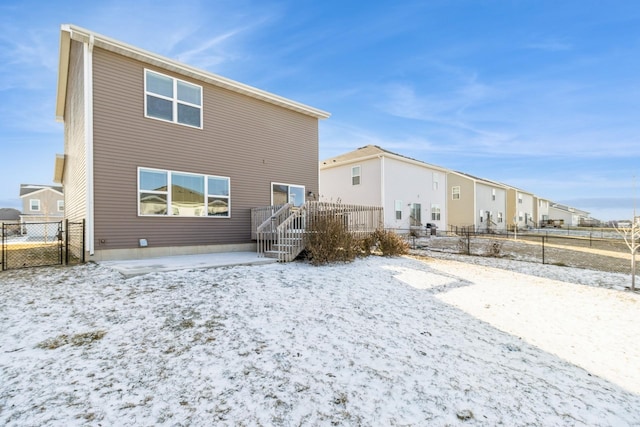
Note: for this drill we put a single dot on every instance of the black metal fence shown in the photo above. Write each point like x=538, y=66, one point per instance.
x=35, y=244
x=583, y=250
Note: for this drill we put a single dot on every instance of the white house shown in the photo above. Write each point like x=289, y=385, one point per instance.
x=412, y=193
x=571, y=216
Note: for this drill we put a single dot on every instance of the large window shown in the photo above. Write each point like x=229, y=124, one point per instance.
x=435, y=212
x=169, y=193
x=416, y=214
x=355, y=175
x=455, y=193
x=173, y=100
x=287, y=193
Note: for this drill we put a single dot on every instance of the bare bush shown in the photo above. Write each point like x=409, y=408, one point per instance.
x=494, y=248
x=390, y=243
x=328, y=240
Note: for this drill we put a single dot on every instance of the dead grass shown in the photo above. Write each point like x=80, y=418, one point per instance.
x=77, y=340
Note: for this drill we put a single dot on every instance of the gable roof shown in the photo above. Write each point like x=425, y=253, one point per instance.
x=372, y=151
x=27, y=189
x=71, y=32
x=481, y=180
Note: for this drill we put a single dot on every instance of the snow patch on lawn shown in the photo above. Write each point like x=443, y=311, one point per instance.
x=381, y=341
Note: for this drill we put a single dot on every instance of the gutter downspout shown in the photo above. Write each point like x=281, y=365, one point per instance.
x=382, y=182
x=88, y=127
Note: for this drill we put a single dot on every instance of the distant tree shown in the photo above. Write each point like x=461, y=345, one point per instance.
x=631, y=235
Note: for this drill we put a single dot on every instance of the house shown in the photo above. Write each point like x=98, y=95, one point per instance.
x=570, y=216
x=163, y=158
x=41, y=203
x=477, y=203
x=412, y=193
x=542, y=210
x=520, y=208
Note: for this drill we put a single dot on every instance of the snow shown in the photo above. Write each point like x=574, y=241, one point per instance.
x=381, y=341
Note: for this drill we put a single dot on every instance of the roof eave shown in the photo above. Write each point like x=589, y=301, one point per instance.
x=83, y=35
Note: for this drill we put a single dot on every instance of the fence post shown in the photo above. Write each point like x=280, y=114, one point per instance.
x=2, y=248
x=543, y=249
x=83, y=239
x=66, y=241
x=468, y=242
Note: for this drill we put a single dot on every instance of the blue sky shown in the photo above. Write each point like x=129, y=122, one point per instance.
x=542, y=95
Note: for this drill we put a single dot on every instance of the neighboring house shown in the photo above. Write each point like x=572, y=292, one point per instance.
x=572, y=217
x=542, y=210
x=163, y=158
x=520, y=208
x=41, y=203
x=9, y=219
x=477, y=203
x=412, y=193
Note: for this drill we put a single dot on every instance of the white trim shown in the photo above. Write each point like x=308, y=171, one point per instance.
x=31, y=193
x=174, y=100
x=31, y=205
x=88, y=132
x=359, y=175
x=72, y=32
x=304, y=194
x=206, y=194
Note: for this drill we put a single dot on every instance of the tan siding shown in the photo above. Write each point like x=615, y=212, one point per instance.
x=250, y=141
x=75, y=172
x=461, y=212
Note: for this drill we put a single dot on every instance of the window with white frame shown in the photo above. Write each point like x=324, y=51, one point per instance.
x=493, y=194
x=520, y=216
x=172, y=100
x=435, y=212
x=355, y=175
x=398, y=207
x=287, y=193
x=34, y=205
x=436, y=179
x=60, y=205
x=519, y=198
x=416, y=214
x=455, y=192
x=481, y=215
x=171, y=193
x=499, y=217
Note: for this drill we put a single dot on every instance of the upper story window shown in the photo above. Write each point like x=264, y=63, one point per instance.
x=519, y=198
x=173, y=100
x=169, y=193
x=493, y=194
x=355, y=175
x=455, y=192
x=435, y=181
x=60, y=205
x=34, y=205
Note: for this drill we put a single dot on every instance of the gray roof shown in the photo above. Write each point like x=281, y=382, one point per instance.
x=9, y=214
x=31, y=188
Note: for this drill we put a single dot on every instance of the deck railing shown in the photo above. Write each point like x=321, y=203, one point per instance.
x=282, y=232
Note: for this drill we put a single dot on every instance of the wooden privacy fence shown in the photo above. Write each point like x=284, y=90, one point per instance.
x=281, y=235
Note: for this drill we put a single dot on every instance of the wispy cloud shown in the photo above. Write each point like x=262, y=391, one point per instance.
x=550, y=45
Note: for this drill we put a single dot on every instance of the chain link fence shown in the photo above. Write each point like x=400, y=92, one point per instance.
x=36, y=244
x=583, y=251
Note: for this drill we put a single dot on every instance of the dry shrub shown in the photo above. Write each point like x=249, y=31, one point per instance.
x=494, y=248
x=327, y=240
x=389, y=243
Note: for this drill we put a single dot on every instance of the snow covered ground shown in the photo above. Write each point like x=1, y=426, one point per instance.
x=381, y=341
